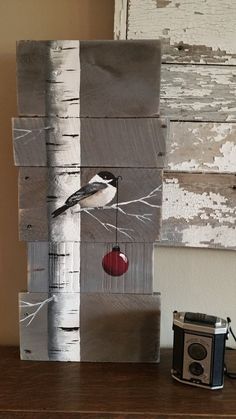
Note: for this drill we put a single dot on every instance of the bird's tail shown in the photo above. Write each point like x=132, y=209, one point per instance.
x=60, y=210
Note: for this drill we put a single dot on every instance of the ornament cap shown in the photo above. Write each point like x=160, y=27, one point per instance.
x=116, y=248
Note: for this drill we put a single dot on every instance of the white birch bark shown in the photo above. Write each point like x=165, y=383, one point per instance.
x=63, y=313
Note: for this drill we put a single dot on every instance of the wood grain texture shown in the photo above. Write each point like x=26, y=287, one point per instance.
x=90, y=327
x=202, y=31
x=68, y=391
x=203, y=147
x=74, y=267
x=130, y=142
x=199, y=210
x=68, y=78
x=126, y=74
x=53, y=267
x=50, y=326
x=42, y=190
x=48, y=78
x=196, y=92
x=120, y=327
x=120, y=19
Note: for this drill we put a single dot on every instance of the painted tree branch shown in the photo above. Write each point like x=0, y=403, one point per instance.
x=30, y=317
x=141, y=217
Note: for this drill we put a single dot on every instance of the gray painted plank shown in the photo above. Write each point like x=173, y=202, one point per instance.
x=50, y=326
x=116, y=78
x=199, y=210
x=73, y=266
x=120, y=327
x=130, y=142
x=48, y=78
x=196, y=92
x=53, y=267
x=200, y=31
x=203, y=147
x=90, y=327
x=42, y=190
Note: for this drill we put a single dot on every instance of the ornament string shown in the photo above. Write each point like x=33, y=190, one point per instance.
x=117, y=207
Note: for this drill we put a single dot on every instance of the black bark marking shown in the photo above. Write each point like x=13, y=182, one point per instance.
x=69, y=329
x=70, y=100
x=70, y=135
x=58, y=254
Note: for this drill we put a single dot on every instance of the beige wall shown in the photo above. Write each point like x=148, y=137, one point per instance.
x=30, y=19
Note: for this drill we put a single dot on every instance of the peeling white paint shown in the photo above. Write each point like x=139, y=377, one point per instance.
x=226, y=162
x=209, y=25
x=203, y=236
x=199, y=146
x=180, y=203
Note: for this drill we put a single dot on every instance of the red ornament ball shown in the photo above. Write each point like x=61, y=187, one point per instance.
x=115, y=263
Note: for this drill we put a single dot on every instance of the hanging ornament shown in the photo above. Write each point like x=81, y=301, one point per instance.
x=116, y=263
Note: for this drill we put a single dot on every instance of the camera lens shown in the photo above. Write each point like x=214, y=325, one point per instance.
x=196, y=369
x=197, y=351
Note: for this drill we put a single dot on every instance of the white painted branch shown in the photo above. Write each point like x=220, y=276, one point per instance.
x=30, y=317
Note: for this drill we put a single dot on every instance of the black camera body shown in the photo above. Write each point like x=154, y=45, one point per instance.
x=199, y=347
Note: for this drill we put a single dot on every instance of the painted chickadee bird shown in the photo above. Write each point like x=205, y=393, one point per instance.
x=100, y=190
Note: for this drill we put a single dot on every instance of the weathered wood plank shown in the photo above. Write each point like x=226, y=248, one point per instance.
x=88, y=78
x=90, y=327
x=200, y=31
x=74, y=267
x=203, y=147
x=48, y=78
x=43, y=190
x=199, y=210
x=131, y=142
x=203, y=93
x=50, y=326
x=53, y=267
x=120, y=19
x=120, y=327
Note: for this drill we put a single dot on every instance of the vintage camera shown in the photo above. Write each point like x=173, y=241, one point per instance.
x=199, y=347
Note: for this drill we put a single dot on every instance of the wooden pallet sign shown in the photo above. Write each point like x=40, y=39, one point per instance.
x=198, y=86
x=91, y=147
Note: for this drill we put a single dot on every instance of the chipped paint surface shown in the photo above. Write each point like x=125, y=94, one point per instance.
x=200, y=31
x=205, y=147
x=199, y=210
x=205, y=93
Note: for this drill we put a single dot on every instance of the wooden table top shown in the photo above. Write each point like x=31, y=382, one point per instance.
x=40, y=390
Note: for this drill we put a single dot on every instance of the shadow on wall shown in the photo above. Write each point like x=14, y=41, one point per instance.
x=90, y=19
x=12, y=252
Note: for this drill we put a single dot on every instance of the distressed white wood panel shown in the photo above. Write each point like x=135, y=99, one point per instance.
x=120, y=19
x=50, y=326
x=200, y=31
x=196, y=92
x=48, y=77
x=113, y=142
x=53, y=267
x=199, y=210
x=41, y=191
x=203, y=147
